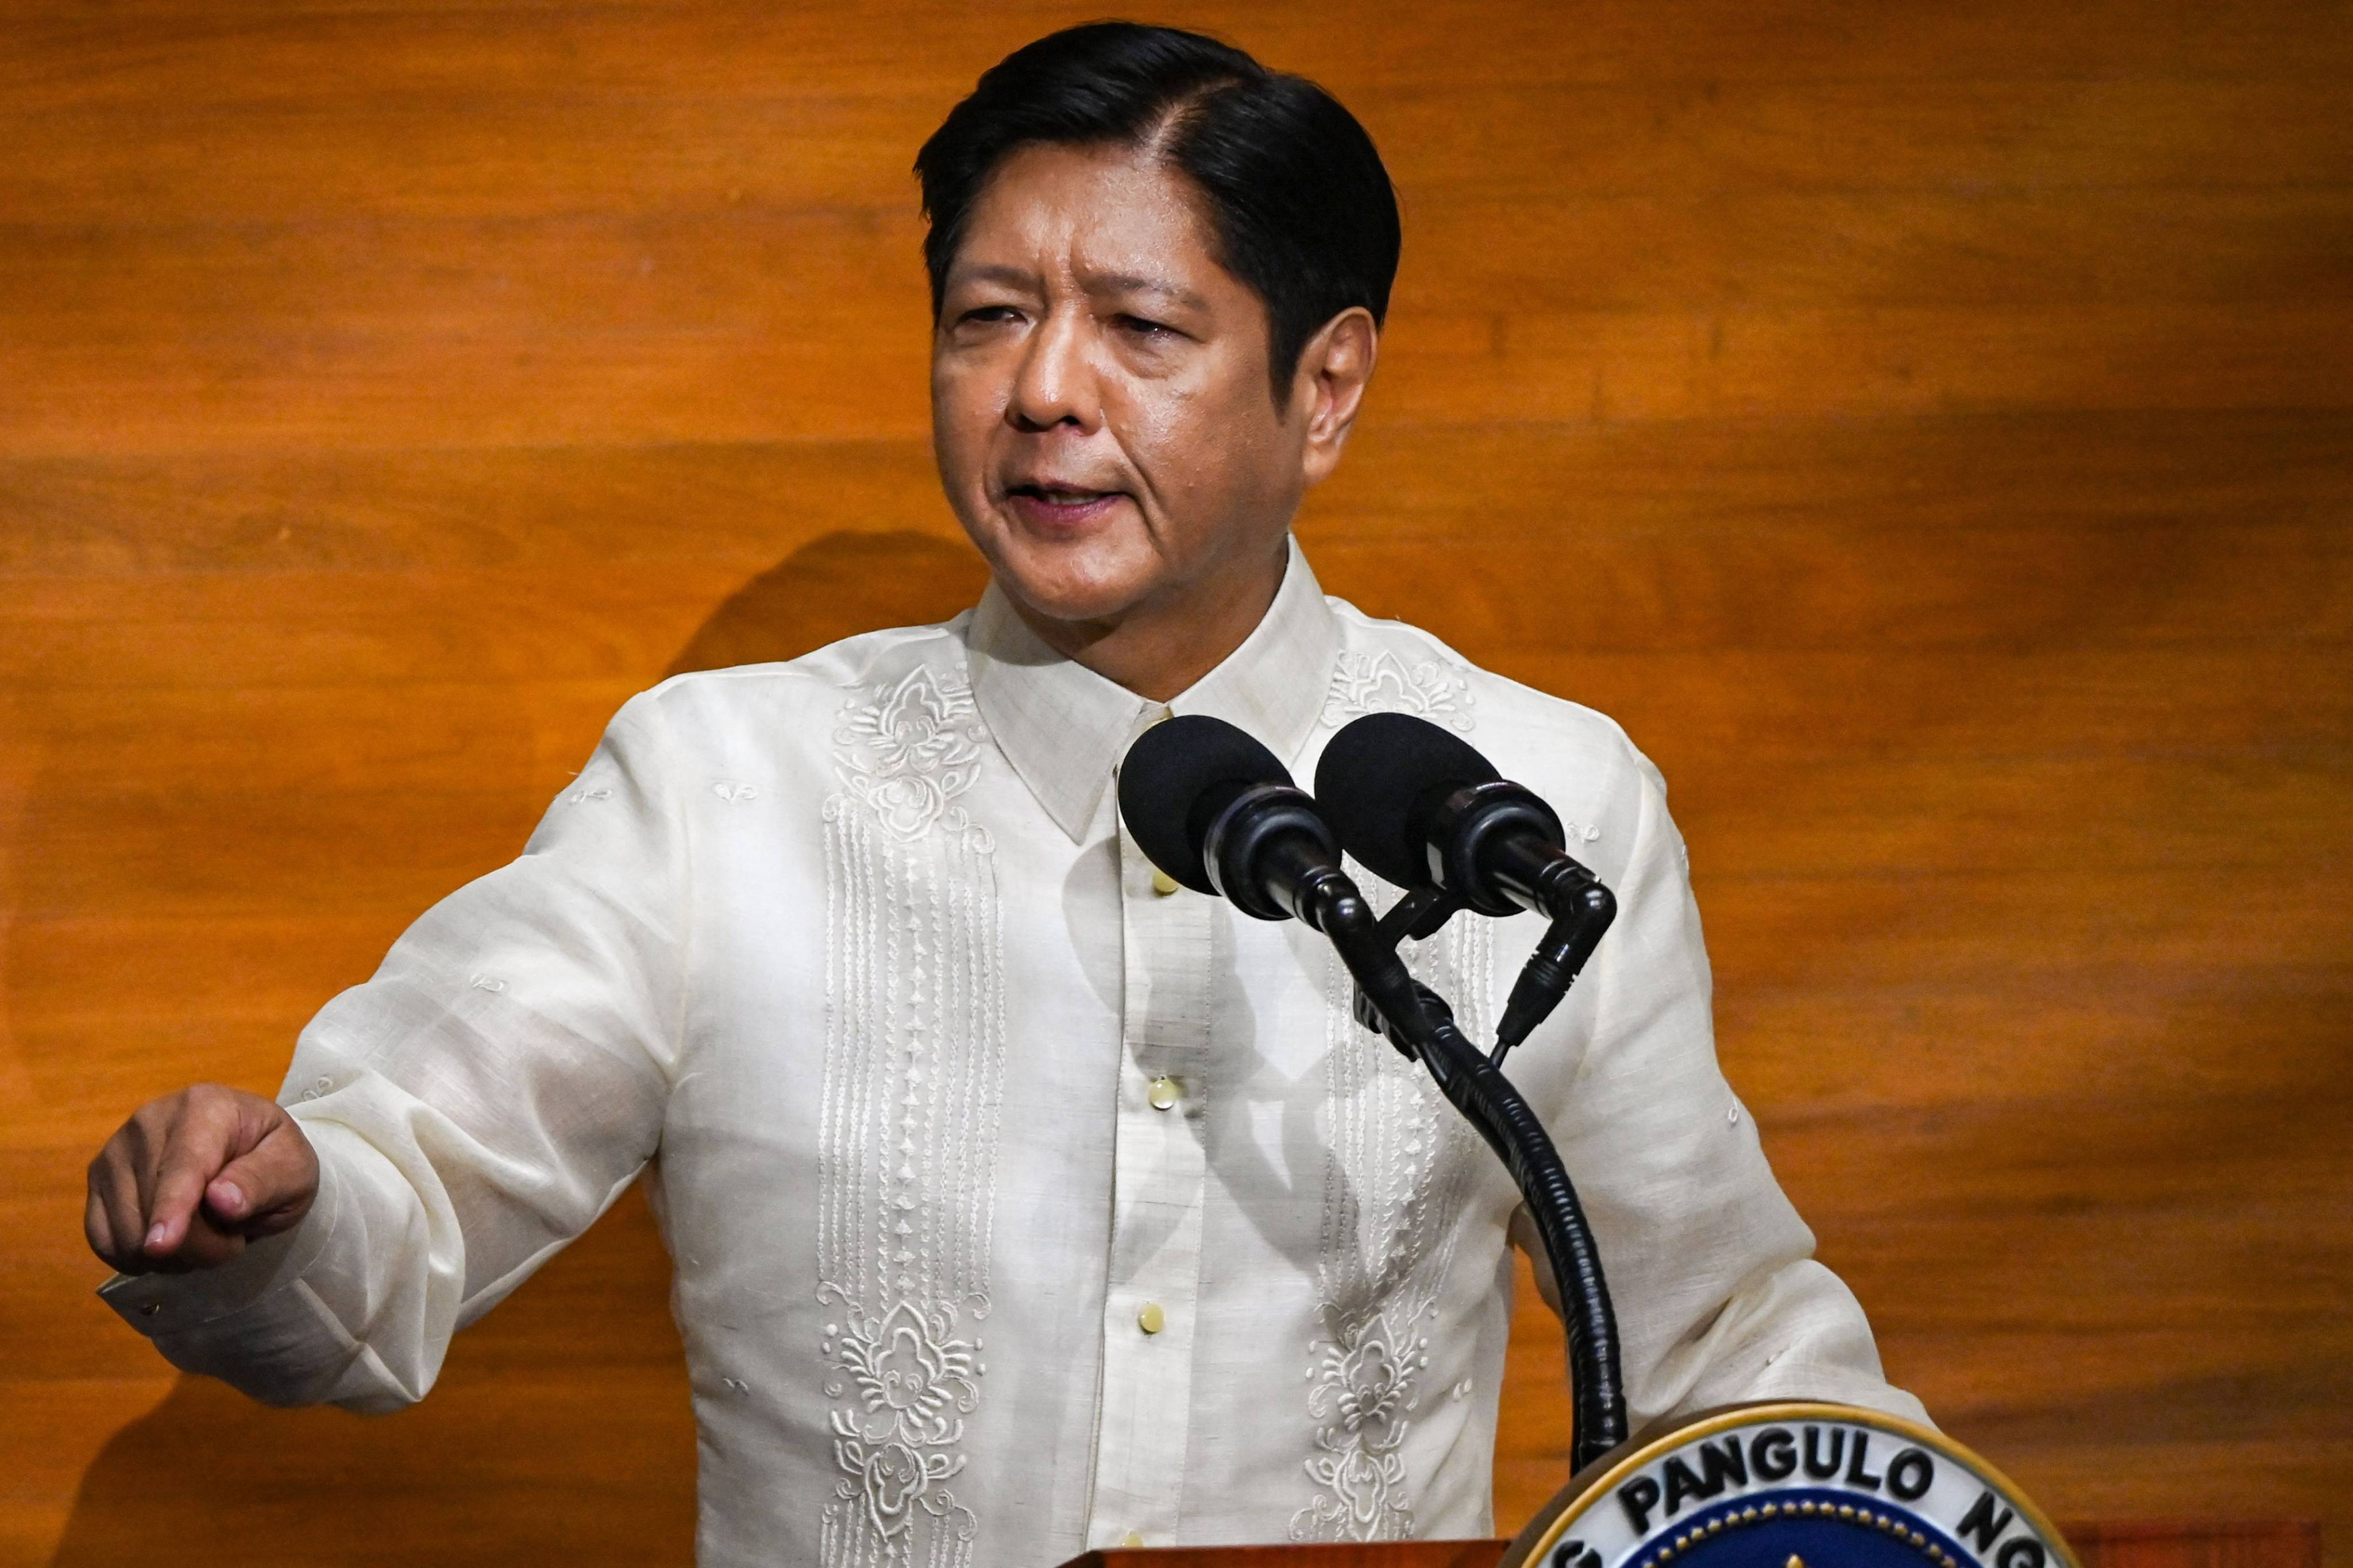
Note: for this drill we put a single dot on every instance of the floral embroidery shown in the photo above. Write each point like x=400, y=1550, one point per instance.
x=913, y=1072
x=906, y=750
x=1396, y=1178
x=1363, y=1393
x=915, y=1383
x=1381, y=682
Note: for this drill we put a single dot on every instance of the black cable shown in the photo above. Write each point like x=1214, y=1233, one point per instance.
x=1419, y=1022
x=1492, y=1103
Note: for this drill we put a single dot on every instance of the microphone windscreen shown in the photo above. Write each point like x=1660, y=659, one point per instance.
x=1168, y=773
x=1374, y=773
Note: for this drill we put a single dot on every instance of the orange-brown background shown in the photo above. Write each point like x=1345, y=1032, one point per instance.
x=1929, y=428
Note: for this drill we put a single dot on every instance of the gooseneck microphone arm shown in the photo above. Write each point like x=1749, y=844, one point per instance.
x=1418, y=1021
x=1215, y=811
x=1490, y=1102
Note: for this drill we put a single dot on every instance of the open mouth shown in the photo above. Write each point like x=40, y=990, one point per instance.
x=1060, y=505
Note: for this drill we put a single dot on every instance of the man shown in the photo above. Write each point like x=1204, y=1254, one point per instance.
x=1019, y=1201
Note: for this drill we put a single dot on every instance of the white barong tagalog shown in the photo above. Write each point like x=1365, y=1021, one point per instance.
x=1017, y=1205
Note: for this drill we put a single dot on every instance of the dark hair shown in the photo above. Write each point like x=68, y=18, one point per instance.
x=1302, y=206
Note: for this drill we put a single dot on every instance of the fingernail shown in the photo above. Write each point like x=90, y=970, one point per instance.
x=226, y=1198
x=155, y=1237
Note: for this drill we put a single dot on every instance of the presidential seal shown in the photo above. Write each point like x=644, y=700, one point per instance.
x=1791, y=1486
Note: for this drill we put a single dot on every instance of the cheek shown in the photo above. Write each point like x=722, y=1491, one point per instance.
x=1183, y=440
x=1204, y=448
x=962, y=417
x=1153, y=431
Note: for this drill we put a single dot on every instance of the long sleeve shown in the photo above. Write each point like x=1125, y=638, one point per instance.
x=1719, y=1298
x=475, y=1105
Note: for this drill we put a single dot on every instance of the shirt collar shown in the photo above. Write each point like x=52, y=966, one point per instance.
x=1064, y=728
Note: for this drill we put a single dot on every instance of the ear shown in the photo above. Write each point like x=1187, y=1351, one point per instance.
x=1335, y=368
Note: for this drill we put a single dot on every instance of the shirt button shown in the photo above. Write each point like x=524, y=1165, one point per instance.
x=1164, y=1093
x=1133, y=1538
x=1152, y=1319
x=1162, y=882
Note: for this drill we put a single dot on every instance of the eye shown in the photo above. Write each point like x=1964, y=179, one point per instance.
x=1145, y=327
x=987, y=314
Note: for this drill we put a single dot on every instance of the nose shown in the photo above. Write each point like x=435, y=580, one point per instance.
x=1055, y=384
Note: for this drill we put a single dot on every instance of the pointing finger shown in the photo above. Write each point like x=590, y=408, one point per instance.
x=200, y=1140
x=118, y=1194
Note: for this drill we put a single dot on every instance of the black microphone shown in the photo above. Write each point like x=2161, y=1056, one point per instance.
x=1215, y=810
x=1421, y=807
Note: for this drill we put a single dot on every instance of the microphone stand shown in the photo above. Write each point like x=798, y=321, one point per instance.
x=1420, y=1024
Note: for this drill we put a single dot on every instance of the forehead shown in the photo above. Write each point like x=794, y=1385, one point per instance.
x=1092, y=211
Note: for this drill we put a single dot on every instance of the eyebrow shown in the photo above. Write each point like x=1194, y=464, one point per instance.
x=1097, y=283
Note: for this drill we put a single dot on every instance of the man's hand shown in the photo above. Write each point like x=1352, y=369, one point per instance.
x=193, y=1176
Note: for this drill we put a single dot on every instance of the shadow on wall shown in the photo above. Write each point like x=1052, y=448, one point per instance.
x=835, y=587
x=560, y=1429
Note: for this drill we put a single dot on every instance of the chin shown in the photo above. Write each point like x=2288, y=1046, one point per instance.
x=1064, y=597
x=1071, y=583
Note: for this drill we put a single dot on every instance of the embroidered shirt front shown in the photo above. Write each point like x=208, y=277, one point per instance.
x=1017, y=1206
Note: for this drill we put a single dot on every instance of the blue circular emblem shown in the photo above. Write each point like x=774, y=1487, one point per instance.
x=1792, y=1486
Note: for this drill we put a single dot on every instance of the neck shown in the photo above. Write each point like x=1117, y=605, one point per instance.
x=1159, y=648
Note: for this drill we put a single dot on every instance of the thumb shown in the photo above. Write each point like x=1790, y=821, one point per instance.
x=270, y=1187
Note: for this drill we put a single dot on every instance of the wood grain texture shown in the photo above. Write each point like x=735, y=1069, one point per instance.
x=1928, y=429
x=1371, y=1554
x=2174, y=1543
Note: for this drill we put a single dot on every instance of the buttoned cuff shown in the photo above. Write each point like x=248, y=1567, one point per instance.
x=244, y=1295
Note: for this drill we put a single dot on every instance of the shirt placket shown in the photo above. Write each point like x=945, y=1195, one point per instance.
x=1159, y=1173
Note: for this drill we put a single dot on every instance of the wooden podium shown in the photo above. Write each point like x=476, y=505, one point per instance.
x=2132, y=1543
x=1378, y=1555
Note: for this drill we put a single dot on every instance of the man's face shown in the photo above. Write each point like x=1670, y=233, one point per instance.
x=1100, y=403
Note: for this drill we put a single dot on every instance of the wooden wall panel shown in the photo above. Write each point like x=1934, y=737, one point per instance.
x=1929, y=429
